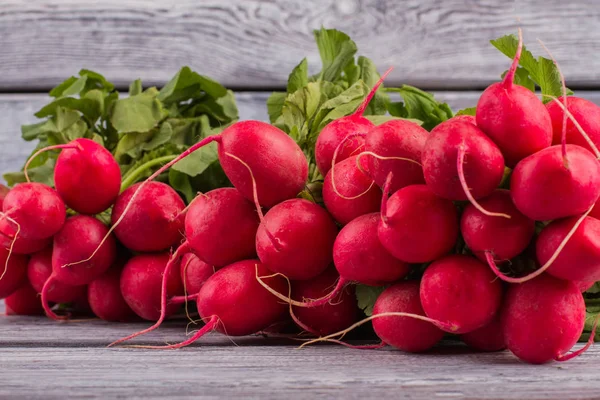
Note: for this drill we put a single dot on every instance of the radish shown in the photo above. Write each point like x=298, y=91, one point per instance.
x=34, y=210
x=544, y=188
x=15, y=272
x=20, y=244
x=404, y=333
x=579, y=260
x=587, y=115
x=221, y=226
x=3, y=192
x=194, y=272
x=396, y=139
x=505, y=238
x=296, y=239
x=489, y=337
x=86, y=175
x=542, y=319
x=141, y=285
x=23, y=301
x=416, y=225
x=461, y=291
x=460, y=162
x=336, y=315
x=105, y=298
x=584, y=286
x=360, y=195
x=39, y=270
x=513, y=117
x=465, y=118
x=233, y=302
x=157, y=212
x=332, y=135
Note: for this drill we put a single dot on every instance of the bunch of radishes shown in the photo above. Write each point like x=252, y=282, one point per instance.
x=435, y=217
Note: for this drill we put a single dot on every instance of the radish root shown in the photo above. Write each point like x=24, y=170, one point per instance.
x=590, y=342
x=40, y=151
x=12, y=244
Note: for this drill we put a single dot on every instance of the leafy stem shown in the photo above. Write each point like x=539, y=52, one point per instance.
x=131, y=177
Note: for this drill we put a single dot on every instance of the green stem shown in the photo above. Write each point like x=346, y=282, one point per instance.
x=131, y=177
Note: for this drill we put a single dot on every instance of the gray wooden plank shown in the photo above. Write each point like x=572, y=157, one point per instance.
x=18, y=109
x=256, y=43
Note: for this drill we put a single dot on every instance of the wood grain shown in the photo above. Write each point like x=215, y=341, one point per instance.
x=256, y=43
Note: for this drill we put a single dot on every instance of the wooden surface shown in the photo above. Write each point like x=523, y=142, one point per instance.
x=255, y=44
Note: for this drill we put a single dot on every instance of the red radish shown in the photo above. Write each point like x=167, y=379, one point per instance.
x=18, y=243
x=396, y=138
x=465, y=118
x=587, y=115
x=461, y=291
x=141, y=285
x=543, y=188
x=416, y=225
x=24, y=301
x=15, y=272
x=505, y=238
x=583, y=286
x=334, y=316
x=489, y=337
x=456, y=148
x=234, y=303
x=360, y=257
x=542, y=319
x=194, y=272
x=286, y=233
x=39, y=270
x=3, y=192
x=595, y=213
x=579, y=260
x=513, y=117
x=404, y=333
x=35, y=210
x=332, y=135
x=361, y=195
x=105, y=298
x=157, y=212
x=221, y=227
x=86, y=175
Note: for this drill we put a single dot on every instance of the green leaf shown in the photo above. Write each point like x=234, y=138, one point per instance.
x=275, y=105
x=34, y=131
x=86, y=106
x=366, y=297
x=522, y=78
x=198, y=161
x=370, y=76
x=59, y=90
x=343, y=104
x=542, y=71
x=420, y=105
x=467, y=111
x=131, y=143
x=380, y=119
x=135, y=87
x=95, y=80
x=181, y=183
x=43, y=174
x=138, y=113
x=336, y=50
x=299, y=77
x=186, y=83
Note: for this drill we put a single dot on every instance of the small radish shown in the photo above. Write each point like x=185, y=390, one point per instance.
x=579, y=260
x=141, y=285
x=20, y=244
x=544, y=188
x=489, y=337
x=35, y=210
x=105, y=298
x=396, y=138
x=221, y=226
x=24, y=301
x=404, y=333
x=416, y=225
x=3, y=192
x=86, y=175
x=461, y=291
x=39, y=270
x=336, y=131
x=338, y=314
x=286, y=233
x=360, y=194
x=15, y=272
x=465, y=118
x=458, y=151
x=505, y=238
x=194, y=272
x=234, y=303
x=542, y=319
x=513, y=117
x=587, y=115
x=157, y=212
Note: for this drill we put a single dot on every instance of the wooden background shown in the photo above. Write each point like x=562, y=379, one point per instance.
x=251, y=46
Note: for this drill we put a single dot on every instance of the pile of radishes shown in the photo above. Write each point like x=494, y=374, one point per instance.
x=482, y=228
